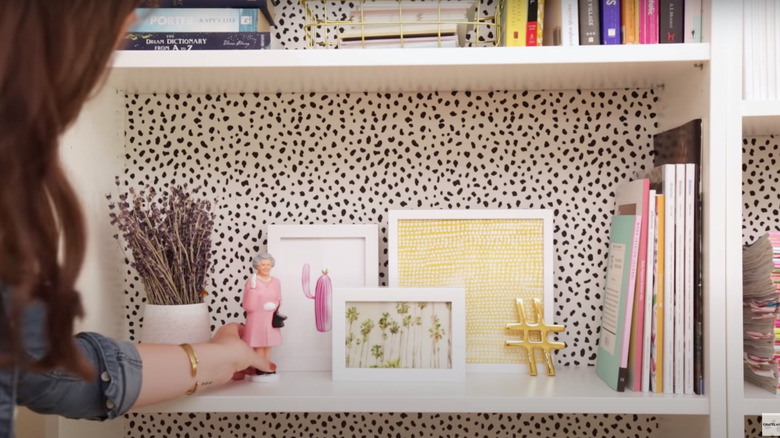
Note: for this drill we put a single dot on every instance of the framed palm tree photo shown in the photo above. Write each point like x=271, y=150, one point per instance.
x=399, y=334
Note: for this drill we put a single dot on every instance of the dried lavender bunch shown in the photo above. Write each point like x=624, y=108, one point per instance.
x=169, y=237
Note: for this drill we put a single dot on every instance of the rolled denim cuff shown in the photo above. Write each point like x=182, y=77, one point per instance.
x=111, y=394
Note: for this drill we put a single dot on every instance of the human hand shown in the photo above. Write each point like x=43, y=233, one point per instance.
x=243, y=357
x=269, y=306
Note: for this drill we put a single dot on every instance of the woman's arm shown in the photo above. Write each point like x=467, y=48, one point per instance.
x=166, y=368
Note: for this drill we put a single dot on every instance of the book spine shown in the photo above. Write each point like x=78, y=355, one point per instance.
x=590, y=29
x=649, y=293
x=658, y=306
x=570, y=32
x=670, y=21
x=628, y=16
x=515, y=16
x=195, y=20
x=668, y=316
x=648, y=11
x=631, y=291
x=198, y=41
x=690, y=187
x=679, y=280
x=540, y=22
x=532, y=23
x=692, y=28
x=610, y=22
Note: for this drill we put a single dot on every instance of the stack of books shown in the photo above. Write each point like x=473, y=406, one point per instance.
x=760, y=280
x=201, y=25
x=652, y=331
x=600, y=22
x=394, y=24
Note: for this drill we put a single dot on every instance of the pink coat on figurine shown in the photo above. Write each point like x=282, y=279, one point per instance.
x=261, y=299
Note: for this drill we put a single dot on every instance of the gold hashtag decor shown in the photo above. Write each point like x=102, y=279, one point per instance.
x=540, y=329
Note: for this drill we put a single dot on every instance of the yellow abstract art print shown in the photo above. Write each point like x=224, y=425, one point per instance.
x=497, y=255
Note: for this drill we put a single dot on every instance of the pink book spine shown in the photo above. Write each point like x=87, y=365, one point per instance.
x=648, y=21
x=629, y=310
x=641, y=283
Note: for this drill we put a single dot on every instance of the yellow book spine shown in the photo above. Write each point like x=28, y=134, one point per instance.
x=658, y=307
x=540, y=25
x=516, y=15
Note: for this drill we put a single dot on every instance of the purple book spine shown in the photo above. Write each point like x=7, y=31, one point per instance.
x=610, y=21
x=197, y=41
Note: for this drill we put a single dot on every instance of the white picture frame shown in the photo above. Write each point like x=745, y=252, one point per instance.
x=446, y=364
x=350, y=253
x=426, y=249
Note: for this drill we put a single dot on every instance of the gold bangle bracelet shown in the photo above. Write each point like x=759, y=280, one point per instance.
x=193, y=365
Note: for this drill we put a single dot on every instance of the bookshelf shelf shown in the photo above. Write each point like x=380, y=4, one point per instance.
x=377, y=70
x=758, y=401
x=572, y=390
x=760, y=117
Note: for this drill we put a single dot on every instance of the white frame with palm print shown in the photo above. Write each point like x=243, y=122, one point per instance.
x=417, y=358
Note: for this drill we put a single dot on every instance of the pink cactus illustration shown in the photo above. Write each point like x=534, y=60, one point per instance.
x=321, y=297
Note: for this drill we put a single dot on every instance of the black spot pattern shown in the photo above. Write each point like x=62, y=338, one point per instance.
x=309, y=158
x=760, y=186
x=753, y=426
x=390, y=425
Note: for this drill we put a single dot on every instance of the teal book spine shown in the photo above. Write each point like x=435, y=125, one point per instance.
x=618, y=300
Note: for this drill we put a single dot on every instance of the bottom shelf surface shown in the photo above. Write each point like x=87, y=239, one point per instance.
x=571, y=390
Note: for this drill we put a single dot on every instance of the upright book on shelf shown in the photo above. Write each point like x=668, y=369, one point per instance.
x=514, y=21
x=617, y=307
x=682, y=145
x=561, y=23
x=590, y=27
x=670, y=21
x=657, y=347
x=648, y=21
x=632, y=198
x=610, y=22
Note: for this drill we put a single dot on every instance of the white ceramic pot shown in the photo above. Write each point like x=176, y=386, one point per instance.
x=176, y=324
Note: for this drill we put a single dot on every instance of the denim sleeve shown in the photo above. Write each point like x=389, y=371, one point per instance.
x=112, y=393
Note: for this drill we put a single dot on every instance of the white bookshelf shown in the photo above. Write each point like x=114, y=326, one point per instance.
x=690, y=83
x=476, y=69
x=746, y=118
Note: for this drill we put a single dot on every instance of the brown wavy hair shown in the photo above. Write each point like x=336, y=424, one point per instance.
x=53, y=54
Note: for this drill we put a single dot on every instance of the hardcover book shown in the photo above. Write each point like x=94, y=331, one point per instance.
x=628, y=22
x=196, y=20
x=198, y=41
x=561, y=23
x=514, y=19
x=670, y=21
x=692, y=26
x=610, y=22
x=612, y=355
x=266, y=7
x=590, y=27
x=648, y=21
x=532, y=23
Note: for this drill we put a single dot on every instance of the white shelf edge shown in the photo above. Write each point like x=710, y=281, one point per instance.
x=576, y=390
x=446, y=69
x=758, y=401
x=760, y=117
